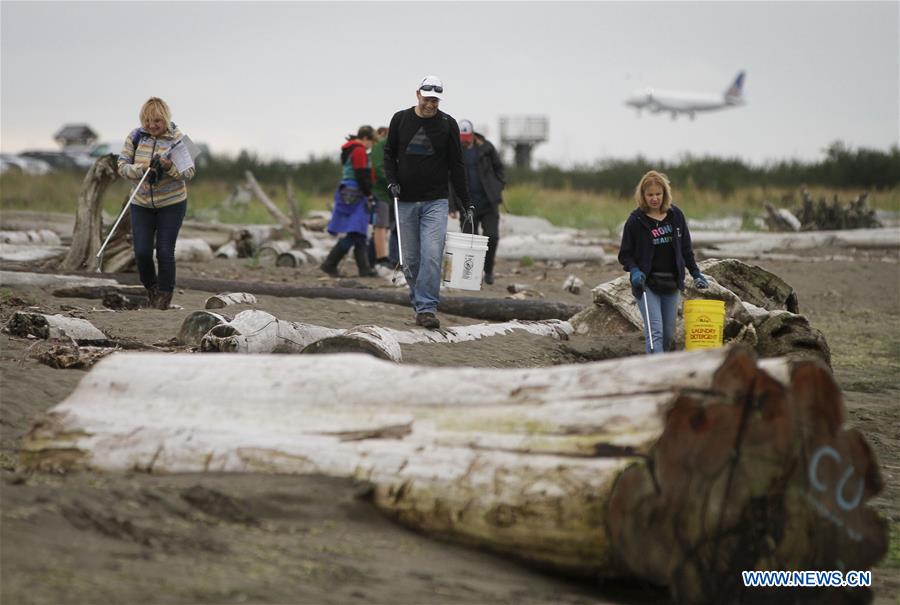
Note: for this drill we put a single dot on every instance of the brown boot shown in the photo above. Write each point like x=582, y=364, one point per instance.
x=152, y=297
x=164, y=301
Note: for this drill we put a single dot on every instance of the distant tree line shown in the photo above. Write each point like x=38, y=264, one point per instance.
x=841, y=168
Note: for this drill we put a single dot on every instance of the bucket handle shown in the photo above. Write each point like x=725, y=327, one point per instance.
x=470, y=219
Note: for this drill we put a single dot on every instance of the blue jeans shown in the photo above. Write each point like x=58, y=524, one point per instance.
x=423, y=229
x=156, y=228
x=663, y=311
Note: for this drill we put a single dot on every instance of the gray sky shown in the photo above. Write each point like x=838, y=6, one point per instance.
x=290, y=79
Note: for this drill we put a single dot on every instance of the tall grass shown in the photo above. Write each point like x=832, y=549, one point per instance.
x=207, y=199
x=605, y=211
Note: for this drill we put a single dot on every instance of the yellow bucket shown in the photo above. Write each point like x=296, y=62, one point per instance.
x=704, y=323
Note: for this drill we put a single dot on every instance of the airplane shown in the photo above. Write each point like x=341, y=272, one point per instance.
x=689, y=103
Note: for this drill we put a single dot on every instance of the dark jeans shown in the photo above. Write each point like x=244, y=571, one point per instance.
x=156, y=228
x=489, y=224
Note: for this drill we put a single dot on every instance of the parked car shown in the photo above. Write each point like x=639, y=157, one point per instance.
x=57, y=159
x=24, y=164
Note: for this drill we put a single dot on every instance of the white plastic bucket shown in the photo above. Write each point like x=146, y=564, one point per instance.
x=463, y=260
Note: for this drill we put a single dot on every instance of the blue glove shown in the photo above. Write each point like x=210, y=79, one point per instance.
x=699, y=281
x=638, y=278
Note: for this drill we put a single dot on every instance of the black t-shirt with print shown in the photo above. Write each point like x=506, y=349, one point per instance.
x=663, y=246
x=423, y=155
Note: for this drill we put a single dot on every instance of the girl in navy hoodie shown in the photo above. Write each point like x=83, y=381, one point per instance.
x=656, y=250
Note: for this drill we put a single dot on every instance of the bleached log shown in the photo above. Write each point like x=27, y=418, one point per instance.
x=50, y=280
x=761, y=311
x=192, y=250
x=268, y=253
x=721, y=244
x=780, y=219
x=197, y=324
x=293, y=258
x=31, y=236
x=227, y=250
x=371, y=340
x=559, y=248
x=573, y=284
x=29, y=253
x=44, y=326
x=279, y=216
x=87, y=232
x=220, y=301
x=255, y=331
x=682, y=470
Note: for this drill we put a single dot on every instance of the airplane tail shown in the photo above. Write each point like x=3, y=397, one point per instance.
x=735, y=92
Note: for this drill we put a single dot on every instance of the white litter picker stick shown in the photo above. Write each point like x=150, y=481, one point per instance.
x=399, y=241
x=649, y=331
x=127, y=206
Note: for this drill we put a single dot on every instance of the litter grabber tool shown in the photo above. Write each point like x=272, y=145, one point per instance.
x=647, y=312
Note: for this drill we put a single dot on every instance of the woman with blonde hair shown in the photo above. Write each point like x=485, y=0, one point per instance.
x=656, y=250
x=160, y=204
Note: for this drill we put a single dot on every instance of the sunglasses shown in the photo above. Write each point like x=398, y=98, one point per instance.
x=430, y=87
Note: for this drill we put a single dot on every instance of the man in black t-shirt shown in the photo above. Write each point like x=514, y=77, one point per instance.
x=422, y=155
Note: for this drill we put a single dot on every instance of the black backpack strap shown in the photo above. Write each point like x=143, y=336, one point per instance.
x=135, y=141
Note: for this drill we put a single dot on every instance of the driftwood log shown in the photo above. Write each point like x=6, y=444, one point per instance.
x=87, y=235
x=371, y=340
x=681, y=470
x=269, y=251
x=220, y=301
x=780, y=219
x=30, y=236
x=493, y=309
x=822, y=215
x=761, y=311
x=279, y=216
x=41, y=325
x=255, y=331
x=196, y=325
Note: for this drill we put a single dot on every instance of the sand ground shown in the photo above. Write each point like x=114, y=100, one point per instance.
x=253, y=538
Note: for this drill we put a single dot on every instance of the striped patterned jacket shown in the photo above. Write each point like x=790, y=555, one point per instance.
x=134, y=160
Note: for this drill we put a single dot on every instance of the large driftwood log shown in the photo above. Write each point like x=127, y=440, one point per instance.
x=682, y=470
x=493, y=309
x=760, y=311
x=87, y=234
x=55, y=327
x=255, y=331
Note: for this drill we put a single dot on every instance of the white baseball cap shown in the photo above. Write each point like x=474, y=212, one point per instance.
x=432, y=86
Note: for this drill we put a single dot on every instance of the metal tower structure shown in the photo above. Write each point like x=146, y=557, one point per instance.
x=522, y=133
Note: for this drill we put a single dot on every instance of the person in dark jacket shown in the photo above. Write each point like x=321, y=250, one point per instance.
x=656, y=250
x=421, y=155
x=486, y=178
x=353, y=201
